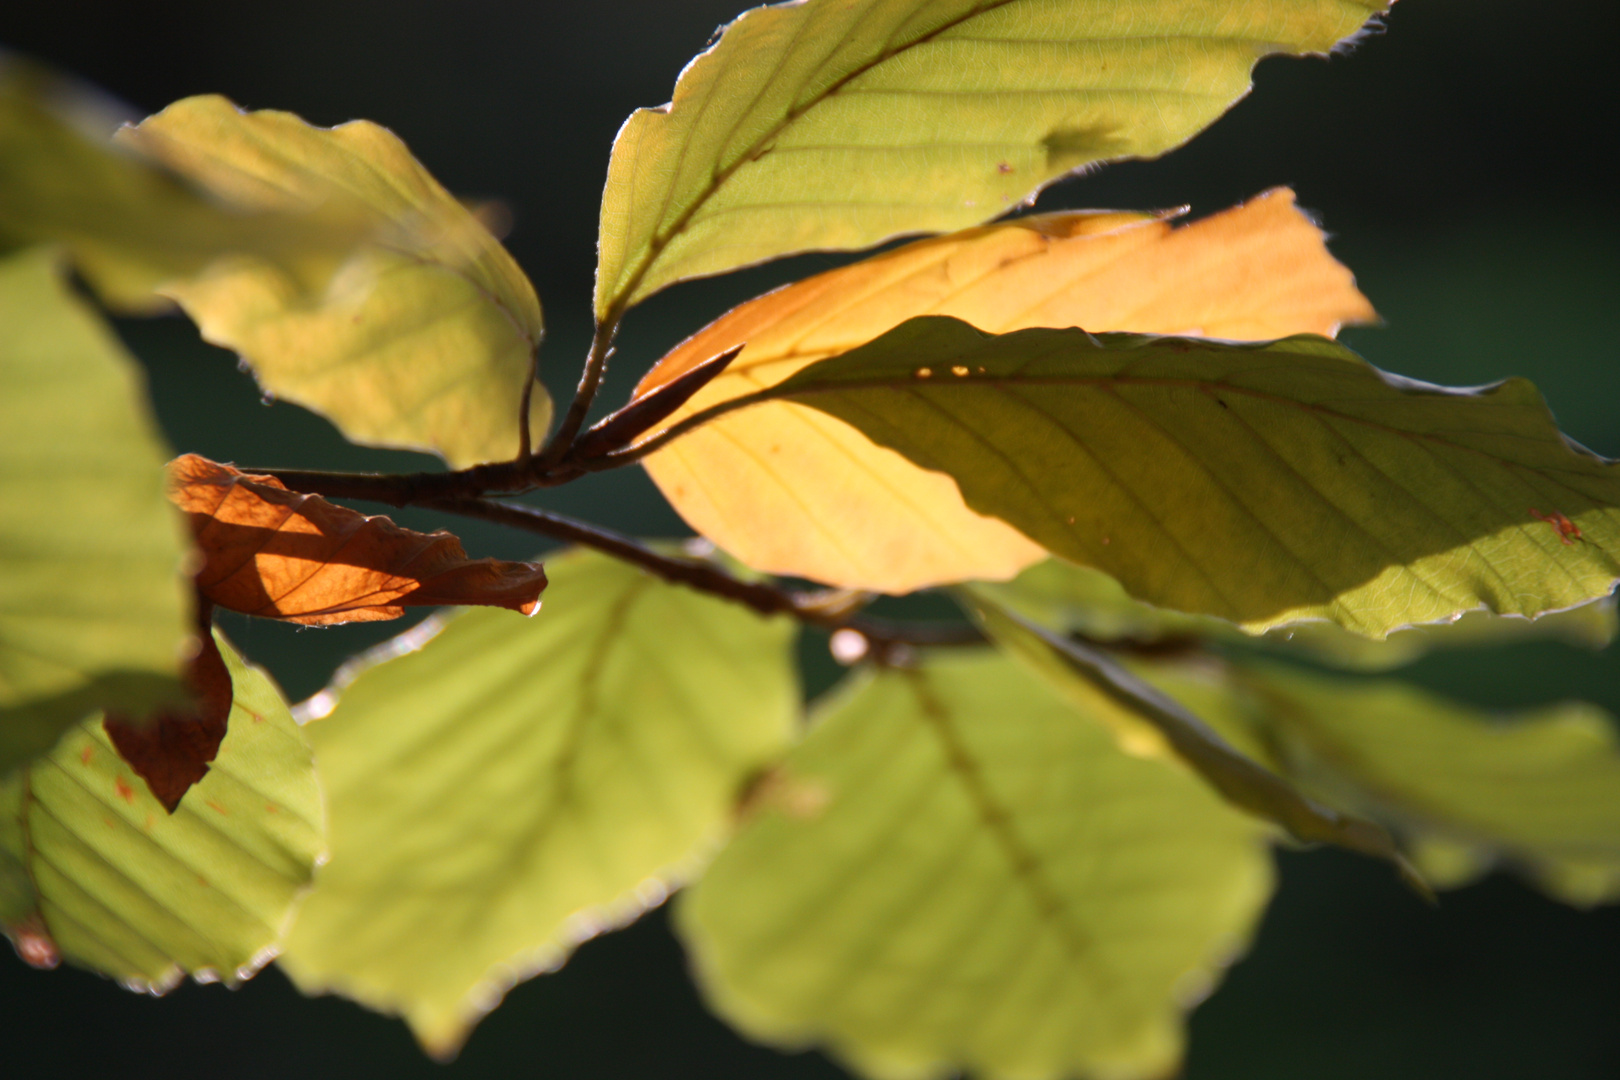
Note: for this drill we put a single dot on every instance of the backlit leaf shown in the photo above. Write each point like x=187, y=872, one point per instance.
x=1148, y=720
x=984, y=883
x=278, y=554
x=425, y=339
x=515, y=788
x=832, y=124
x=126, y=889
x=93, y=609
x=792, y=490
x=1077, y=599
x=172, y=749
x=128, y=224
x=1262, y=484
x=1538, y=790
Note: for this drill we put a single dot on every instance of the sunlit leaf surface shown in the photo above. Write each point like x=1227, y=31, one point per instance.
x=793, y=490
x=93, y=610
x=126, y=889
x=972, y=876
x=518, y=786
x=1262, y=484
x=835, y=125
x=1070, y=598
x=273, y=553
x=425, y=338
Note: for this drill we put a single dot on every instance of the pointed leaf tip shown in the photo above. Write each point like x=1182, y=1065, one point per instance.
x=278, y=554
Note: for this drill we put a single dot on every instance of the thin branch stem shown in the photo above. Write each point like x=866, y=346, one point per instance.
x=885, y=635
x=590, y=381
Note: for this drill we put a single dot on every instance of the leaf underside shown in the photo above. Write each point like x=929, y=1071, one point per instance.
x=792, y=490
x=837, y=125
x=973, y=877
x=527, y=785
x=1263, y=484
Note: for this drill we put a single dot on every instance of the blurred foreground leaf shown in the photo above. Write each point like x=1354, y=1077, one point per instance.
x=1537, y=790
x=91, y=616
x=792, y=490
x=519, y=786
x=425, y=338
x=126, y=889
x=129, y=225
x=837, y=125
x=975, y=878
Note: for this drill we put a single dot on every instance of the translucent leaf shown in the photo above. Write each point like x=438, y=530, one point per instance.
x=277, y=554
x=974, y=877
x=126, y=889
x=1539, y=789
x=791, y=490
x=1078, y=599
x=425, y=339
x=1263, y=484
x=836, y=125
x=128, y=224
x=519, y=786
x=93, y=611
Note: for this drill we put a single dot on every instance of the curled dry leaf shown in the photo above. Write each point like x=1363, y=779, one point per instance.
x=172, y=749
x=278, y=554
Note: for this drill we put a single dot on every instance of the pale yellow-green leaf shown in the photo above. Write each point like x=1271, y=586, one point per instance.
x=517, y=786
x=833, y=124
x=93, y=608
x=973, y=877
x=791, y=490
x=426, y=336
x=1077, y=599
x=128, y=224
x=1263, y=484
x=1538, y=790
x=1152, y=716
x=130, y=891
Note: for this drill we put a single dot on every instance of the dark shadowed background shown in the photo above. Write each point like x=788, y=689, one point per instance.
x=1462, y=162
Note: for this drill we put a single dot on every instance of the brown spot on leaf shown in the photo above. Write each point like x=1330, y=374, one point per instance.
x=125, y=792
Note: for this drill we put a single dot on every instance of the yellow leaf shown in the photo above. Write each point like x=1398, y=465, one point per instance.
x=424, y=339
x=789, y=490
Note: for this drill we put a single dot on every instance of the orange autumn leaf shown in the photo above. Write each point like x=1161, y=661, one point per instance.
x=278, y=554
x=791, y=490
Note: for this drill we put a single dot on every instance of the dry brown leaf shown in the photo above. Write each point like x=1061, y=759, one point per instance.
x=278, y=554
x=791, y=490
x=172, y=749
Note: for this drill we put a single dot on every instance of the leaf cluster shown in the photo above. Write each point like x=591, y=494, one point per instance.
x=1018, y=843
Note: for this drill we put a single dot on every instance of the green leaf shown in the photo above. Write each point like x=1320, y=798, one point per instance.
x=129, y=225
x=837, y=125
x=1077, y=599
x=93, y=609
x=529, y=785
x=1263, y=484
x=1149, y=720
x=424, y=339
x=1538, y=790
x=971, y=876
x=128, y=890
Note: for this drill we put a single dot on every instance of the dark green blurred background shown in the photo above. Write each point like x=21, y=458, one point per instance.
x=1459, y=161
